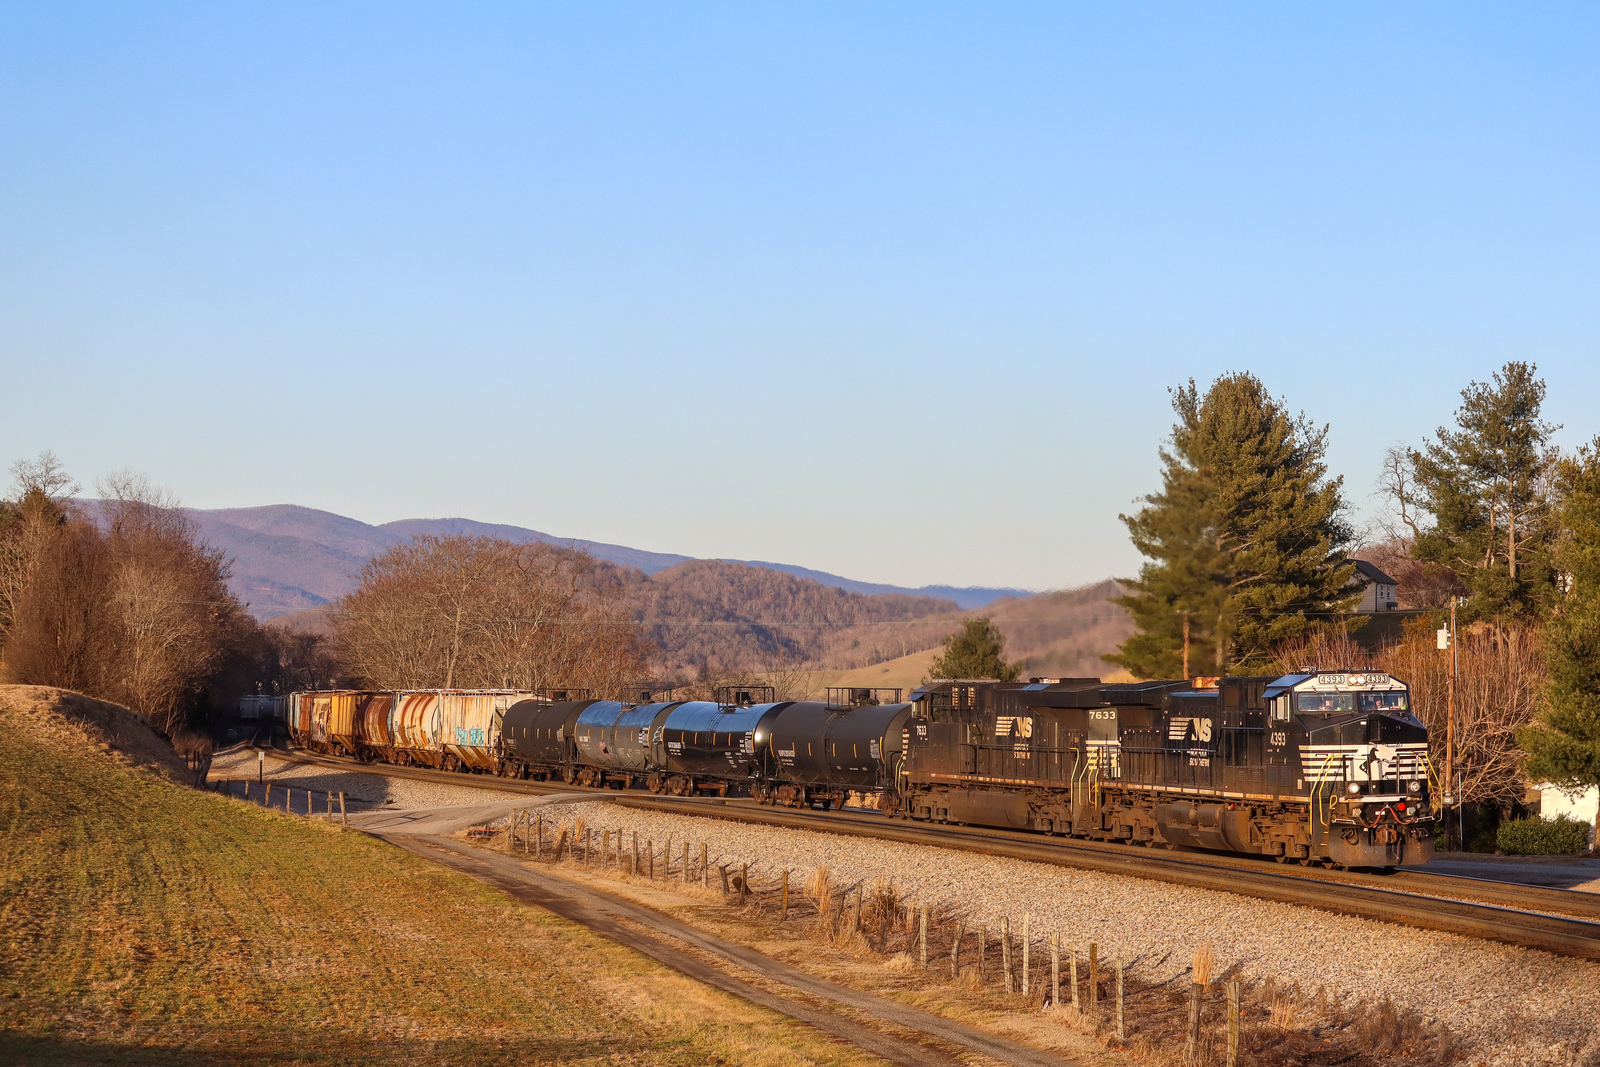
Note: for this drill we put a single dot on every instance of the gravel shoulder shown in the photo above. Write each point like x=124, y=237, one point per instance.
x=1516, y=1006
x=363, y=790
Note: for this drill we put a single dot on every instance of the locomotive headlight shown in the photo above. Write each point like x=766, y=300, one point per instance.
x=1413, y=787
x=1354, y=789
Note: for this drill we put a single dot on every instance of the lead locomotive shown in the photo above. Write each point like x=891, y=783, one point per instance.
x=1319, y=767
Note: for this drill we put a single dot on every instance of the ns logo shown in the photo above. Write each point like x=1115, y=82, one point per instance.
x=1182, y=728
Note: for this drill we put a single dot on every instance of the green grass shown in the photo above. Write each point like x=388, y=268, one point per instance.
x=141, y=922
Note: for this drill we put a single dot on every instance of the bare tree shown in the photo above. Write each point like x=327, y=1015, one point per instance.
x=1497, y=686
x=1398, y=527
x=1397, y=484
x=170, y=596
x=480, y=612
x=42, y=489
x=132, y=608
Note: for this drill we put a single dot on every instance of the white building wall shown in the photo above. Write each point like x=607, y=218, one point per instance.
x=1581, y=804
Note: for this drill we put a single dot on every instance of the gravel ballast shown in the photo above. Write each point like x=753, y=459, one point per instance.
x=1517, y=1006
x=363, y=789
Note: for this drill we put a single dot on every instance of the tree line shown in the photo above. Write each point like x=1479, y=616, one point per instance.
x=114, y=598
x=118, y=598
x=1248, y=547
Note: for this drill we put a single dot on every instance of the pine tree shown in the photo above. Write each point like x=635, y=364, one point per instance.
x=1563, y=746
x=975, y=651
x=1245, y=541
x=1484, y=484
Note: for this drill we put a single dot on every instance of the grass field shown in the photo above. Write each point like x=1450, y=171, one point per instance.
x=145, y=923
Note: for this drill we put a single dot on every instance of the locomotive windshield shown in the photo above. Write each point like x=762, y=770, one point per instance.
x=1325, y=702
x=1390, y=701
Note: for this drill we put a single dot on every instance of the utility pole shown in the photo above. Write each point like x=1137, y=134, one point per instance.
x=1450, y=713
x=1186, y=644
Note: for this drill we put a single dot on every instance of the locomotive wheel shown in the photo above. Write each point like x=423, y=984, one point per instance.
x=569, y=775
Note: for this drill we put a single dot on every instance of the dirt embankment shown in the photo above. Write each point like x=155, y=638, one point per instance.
x=61, y=717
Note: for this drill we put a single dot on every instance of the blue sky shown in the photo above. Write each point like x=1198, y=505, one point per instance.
x=890, y=291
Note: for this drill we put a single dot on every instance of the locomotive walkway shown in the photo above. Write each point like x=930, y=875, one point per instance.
x=1555, y=920
x=896, y=1032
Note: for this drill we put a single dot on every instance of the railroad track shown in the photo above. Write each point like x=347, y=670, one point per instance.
x=1555, y=920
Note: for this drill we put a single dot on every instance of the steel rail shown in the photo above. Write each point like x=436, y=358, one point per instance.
x=1342, y=892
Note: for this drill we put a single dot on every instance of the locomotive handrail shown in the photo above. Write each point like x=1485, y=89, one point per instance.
x=1078, y=767
x=1311, y=809
x=1433, y=775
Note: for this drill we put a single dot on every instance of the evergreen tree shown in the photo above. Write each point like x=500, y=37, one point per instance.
x=975, y=651
x=1563, y=746
x=1484, y=484
x=1245, y=541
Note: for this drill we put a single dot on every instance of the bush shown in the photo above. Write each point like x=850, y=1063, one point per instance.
x=1542, y=837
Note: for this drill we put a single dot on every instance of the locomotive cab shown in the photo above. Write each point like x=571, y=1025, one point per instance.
x=1363, y=764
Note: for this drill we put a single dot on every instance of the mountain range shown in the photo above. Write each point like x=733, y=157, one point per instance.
x=288, y=558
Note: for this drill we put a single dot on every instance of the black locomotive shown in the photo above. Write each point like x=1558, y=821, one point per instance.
x=1320, y=767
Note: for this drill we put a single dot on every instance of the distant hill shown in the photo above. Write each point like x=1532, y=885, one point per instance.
x=1057, y=634
x=289, y=559
x=964, y=596
x=721, y=615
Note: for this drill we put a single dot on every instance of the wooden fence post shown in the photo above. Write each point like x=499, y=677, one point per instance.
x=1094, y=978
x=955, y=951
x=635, y=868
x=1122, y=1035
x=1027, y=946
x=785, y=914
x=666, y=859
x=1234, y=988
x=744, y=882
x=983, y=950
x=344, y=816
x=705, y=871
x=860, y=891
x=922, y=936
x=1055, y=969
x=1192, y=1044
x=650, y=853
x=686, y=863
x=1005, y=950
x=538, y=840
x=1072, y=961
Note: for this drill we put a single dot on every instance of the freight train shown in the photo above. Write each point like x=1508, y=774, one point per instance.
x=1319, y=767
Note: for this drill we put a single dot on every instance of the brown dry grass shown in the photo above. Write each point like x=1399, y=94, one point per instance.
x=143, y=922
x=65, y=717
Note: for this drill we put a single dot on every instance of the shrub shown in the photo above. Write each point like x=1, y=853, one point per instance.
x=1542, y=837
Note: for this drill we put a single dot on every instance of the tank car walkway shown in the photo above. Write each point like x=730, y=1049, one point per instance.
x=832, y=1008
